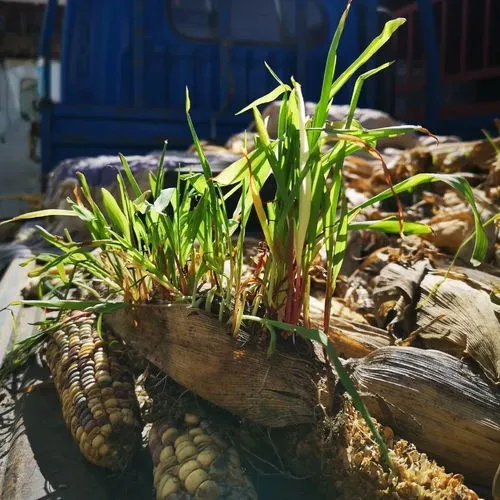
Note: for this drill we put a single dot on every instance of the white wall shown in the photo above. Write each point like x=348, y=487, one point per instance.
x=18, y=173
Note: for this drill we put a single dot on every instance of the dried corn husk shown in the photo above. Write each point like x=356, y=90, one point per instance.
x=200, y=353
x=436, y=402
x=450, y=229
x=454, y=222
x=451, y=158
x=396, y=288
x=351, y=339
x=192, y=461
x=96, y=391
x=455, y=313
x=476, y=278
x=492, y=184
x=469, y=323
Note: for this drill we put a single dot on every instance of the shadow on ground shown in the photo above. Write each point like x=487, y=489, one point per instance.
x=43, y=461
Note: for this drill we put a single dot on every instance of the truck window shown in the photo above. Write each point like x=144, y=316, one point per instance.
x=316, y=22
x=194, y=19
x=257, y=21
x=260, y=22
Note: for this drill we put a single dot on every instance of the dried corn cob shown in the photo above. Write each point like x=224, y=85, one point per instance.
x=96, y=392
x=364, y=477
x=191, y=461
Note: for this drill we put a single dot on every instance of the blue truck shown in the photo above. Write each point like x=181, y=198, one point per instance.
x=125, y=65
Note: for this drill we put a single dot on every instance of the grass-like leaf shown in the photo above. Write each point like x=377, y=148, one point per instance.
x=73, y=305
x=38, y=214
x=372, y=48
x=115, y=213
x=459, y=184
x=391, y=226
x=266, y=99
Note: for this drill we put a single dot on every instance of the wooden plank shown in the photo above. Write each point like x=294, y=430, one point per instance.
x=11, y=286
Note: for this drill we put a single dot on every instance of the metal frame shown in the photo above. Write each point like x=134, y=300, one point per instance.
x=465, y=119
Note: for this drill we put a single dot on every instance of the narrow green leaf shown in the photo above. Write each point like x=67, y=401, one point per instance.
x=391, y=226
x=282, y=122
x=239, y=169
x=274, y=75
x=99, y=226
x=140, y=204
x=83, y=213
x=128, y=207
x=117, y=217
x=51, y=212
x=340, y=246
x=321, y=111
x=73, y=305
x=305, y=193
x=260, y=126
x=130, y=176
x=372, y=48
x=62, y=273
x=188, y=101
x=357, y=91
x=261, y=214
x=371, y=135
x=160, y=176
x=198, y=182
x=207, y=171
x=456, y=182
x=270, y=97
x=272, y=341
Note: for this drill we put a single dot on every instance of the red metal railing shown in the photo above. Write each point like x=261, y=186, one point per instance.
x=462, y=26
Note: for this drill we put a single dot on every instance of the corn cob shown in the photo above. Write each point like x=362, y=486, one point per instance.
x=192, y=462
x=96, y=391
x=364, y=477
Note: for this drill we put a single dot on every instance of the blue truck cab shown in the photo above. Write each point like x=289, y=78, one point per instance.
x=125, y=65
